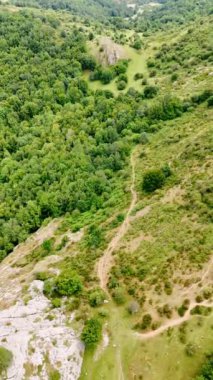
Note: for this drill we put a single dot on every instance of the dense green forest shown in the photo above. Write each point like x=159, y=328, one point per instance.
x=171, y=12
x=98, y=9
x=54, y=130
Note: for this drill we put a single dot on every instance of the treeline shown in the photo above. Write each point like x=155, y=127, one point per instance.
x=98, y=9
x=172, y=12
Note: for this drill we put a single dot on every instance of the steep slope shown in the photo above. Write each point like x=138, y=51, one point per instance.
x=106, y=199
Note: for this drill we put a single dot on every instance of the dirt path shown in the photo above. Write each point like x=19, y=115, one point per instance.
x=106, y=261
x=172, y=323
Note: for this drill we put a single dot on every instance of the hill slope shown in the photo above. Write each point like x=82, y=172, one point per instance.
x=106, y=199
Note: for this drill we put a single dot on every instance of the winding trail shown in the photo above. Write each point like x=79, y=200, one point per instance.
x=173, y=322
x=106, y=261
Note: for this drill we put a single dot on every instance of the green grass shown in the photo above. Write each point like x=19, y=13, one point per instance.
x=137, y=64
x=155, y=359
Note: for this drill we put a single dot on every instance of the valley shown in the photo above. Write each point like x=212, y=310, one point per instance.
x=106, y=239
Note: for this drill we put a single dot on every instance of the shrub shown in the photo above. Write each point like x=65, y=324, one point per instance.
x=137, y=44
x=153, y=73
x=167, y=311
x=190, y=349
x=168, y=287
x=68, y=283
x=54, y=375
x=133, y=307
x=207, y=293
x=47, y=245
x=153, y=179
x=199, y=298
x=94, y=237
x=150, y=92
x=123, y=77
x=56, y=302
x=138, y=76
x=205, y=95
x=121, y=67
x=166, y=171
x=106, y=76
x=181, y=310
x=200, y=310
x=49, y=287
x=146, y=321
x=121, y=85
x=42, y=276
x=210, y=101
x=91, y=36
x=73, y=304
x=143, y=138
x=174, y=77
x=113, y=282
x=91, y=333
x=151, y=63
x=5, y=359
x=206, y=372
x=119, y=296
x=96, y=298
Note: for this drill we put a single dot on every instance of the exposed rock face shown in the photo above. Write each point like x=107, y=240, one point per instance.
x=110, y=51
x=39, y=344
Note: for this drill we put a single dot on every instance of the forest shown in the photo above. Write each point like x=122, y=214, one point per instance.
x=54, y=130
x=99, y=9
x=172, y=12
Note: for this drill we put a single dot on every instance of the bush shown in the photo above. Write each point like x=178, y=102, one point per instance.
x=153, y=179
x=121, y=85
x=106, y=76
x=56, y=302
x=150, y=92
x=205, y=95
x=47, y=245
x=54, y=375
x=133, y=307
x=121, y=67
x=96, y=298
x=190, y=349
x=68, y=283
x=49, y=287
x=146, y=321
x=166, y=171
x=42, y=276
x=181, y=310
x=91, y=333
x=123, y=77
x=153, y=73
x=210, y=101
x=151, y=63
x=206, y=372
x=143, y=139
x=119, y=296
x=138, y=76
x=174, y=77
x=5, y=359
x=137, y=44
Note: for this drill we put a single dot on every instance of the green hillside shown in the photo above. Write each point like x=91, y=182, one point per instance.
x=106, y=190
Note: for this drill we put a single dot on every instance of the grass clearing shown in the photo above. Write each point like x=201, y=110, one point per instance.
x=155, y=359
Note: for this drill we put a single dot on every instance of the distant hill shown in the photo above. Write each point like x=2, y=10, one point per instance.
x=99, y=9
x=171, y=12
